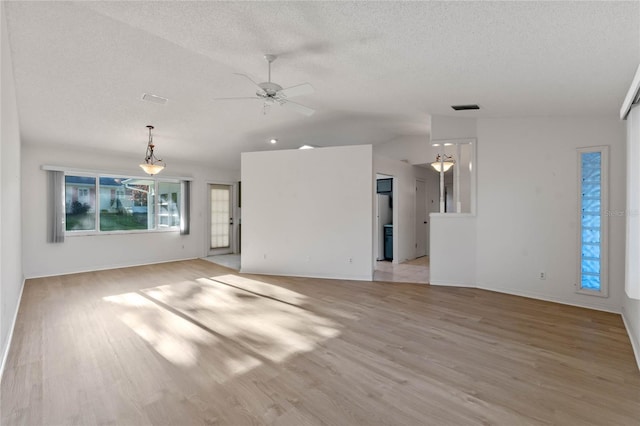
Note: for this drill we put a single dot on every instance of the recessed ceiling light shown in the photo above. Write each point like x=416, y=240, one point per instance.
x=154, y=98
x=273, y=140
x=307, y=147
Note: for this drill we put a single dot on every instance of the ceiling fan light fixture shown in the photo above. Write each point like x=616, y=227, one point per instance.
x=151, y=165
x=273, y=141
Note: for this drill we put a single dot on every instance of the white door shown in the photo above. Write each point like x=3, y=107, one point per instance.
x=221, y=220
x=422, y=218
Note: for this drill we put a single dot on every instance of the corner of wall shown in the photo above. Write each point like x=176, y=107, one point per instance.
x=7, y=346
x=634, y=335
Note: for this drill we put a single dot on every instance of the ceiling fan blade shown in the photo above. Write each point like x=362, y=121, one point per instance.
x=248, y=78
x=299, y=90
x=235, y=99
x=297, y=107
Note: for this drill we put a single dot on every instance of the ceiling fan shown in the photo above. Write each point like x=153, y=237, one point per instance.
x=271, y=93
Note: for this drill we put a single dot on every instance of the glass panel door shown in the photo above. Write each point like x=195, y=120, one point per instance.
x=221, y=221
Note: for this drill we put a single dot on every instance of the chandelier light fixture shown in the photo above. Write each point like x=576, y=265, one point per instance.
x=443, y=163
x=151, y=165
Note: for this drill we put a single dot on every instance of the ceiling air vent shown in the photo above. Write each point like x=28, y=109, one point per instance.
x=155, y=99
x=464, y=107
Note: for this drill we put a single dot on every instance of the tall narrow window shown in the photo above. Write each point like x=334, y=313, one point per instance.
x=593, y=200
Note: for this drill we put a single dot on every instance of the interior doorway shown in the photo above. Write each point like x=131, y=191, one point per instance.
x=220, y=219
x=383, y=233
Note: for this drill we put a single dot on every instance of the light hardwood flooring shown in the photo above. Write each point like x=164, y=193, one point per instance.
x=192, y=342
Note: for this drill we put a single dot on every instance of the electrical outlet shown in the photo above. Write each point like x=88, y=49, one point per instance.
x=543, y=275
x=350, y=260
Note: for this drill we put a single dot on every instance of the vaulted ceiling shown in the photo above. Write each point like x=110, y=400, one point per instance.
x=378, y=69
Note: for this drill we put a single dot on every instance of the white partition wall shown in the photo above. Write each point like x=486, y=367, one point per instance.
x=453, y=250
x=308, y=212
x=631, y=301
x=632, y=284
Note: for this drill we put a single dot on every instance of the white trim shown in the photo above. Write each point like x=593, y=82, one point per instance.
x=93, y=233
x=451, y=215
x=540, y=296
x=233, y=243
x=109, y=267
x=635, y=344
x=604, y=224
x=437, y=142
x=5, y=355
x=473, y=173
x=312, y=275
x=631, y=95
x=109, y=173
x=451, y=284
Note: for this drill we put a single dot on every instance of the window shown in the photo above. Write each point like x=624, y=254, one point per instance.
x=169, y=204
x=457, y=180
x=126, y=204
x=80, y=203
x=593, y=200
x=121, y=204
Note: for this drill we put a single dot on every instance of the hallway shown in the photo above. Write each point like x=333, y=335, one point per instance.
x=413, y=271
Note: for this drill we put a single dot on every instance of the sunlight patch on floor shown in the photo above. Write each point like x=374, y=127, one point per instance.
x=173, y=337
x=237, y=321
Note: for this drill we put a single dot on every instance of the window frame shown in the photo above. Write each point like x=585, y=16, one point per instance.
x=97, y=231
x=604, y=221
x=439, y=145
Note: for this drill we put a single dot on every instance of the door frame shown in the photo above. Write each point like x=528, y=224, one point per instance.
x=235, y=214
x=376, y=215
x=415, y=209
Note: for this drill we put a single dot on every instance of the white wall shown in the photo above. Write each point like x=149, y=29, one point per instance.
x=412, y=149
x=308, y=212
x=453, y=250
x=631, y=316
x=11, y=277
x=86, y=253
x=449, y=127
x=527, y=219
x=404, y=204
x=630, y=301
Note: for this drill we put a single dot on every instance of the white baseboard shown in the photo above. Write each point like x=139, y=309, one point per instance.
x=5, y=355
x=539, y=296
x=635, y=344
x=107, y=267
x=451, y=284
x=311, y=275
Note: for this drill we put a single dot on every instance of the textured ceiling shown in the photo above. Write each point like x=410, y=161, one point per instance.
x=379, y=69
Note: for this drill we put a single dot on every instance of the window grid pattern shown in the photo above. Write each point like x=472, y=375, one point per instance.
x=220, y=214
x=106, y=204
x=591, y=220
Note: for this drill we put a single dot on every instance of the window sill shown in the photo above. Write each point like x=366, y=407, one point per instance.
x=71, y=234
x=601, y=293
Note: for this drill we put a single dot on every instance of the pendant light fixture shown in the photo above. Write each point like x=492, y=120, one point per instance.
x=151, y=165
x=443, y=163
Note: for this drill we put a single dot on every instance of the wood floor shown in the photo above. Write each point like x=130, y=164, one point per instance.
x=195, y=343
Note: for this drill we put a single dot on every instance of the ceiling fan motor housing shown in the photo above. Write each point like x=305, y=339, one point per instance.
x=269, y=88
